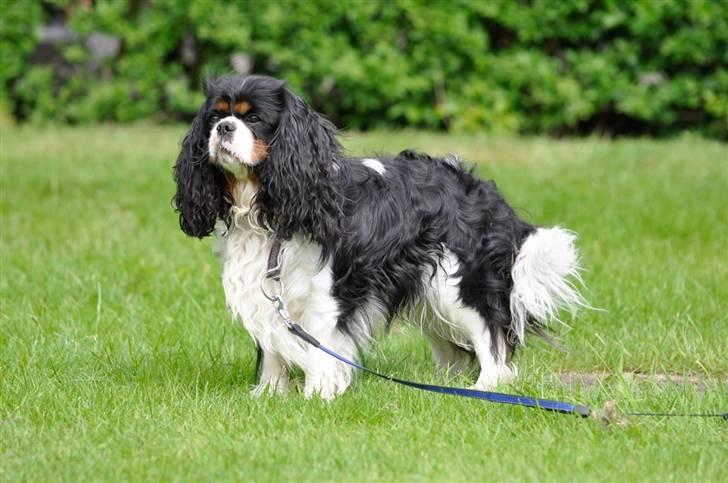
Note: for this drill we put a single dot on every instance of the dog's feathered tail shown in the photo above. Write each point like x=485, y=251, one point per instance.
x=544, y=275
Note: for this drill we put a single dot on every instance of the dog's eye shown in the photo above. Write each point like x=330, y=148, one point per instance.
x=252, y=118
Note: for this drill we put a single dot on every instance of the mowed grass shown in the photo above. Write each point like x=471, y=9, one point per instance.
x=119, y=361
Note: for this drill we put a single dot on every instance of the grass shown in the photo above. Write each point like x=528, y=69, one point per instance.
x=119, y=361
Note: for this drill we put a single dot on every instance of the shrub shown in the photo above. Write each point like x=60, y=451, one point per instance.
x=544, y=66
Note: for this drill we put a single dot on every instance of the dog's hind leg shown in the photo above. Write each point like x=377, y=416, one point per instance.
x=491, y=355
x=465, y=327
x=450, y=359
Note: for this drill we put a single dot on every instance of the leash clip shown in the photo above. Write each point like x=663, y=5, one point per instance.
x=280, y=307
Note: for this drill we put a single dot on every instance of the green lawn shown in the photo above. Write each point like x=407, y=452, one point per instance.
x=119, y=361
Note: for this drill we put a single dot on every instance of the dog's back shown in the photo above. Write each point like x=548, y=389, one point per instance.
x=409, y=217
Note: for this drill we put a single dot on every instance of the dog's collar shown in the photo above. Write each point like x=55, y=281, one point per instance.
x=274, y=261
x=273, y=291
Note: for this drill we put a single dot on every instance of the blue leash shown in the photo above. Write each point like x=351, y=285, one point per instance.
x=496, y=397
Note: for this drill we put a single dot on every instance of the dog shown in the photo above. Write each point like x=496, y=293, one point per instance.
x=363, y=241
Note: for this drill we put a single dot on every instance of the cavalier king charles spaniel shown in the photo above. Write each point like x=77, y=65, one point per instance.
x=363, y=241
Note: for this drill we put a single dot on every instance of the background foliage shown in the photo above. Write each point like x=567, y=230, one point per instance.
x=552, y=66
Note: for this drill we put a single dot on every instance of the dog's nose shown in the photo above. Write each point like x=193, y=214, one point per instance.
x=225, y=127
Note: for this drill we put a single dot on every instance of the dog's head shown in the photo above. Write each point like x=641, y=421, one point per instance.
x=255, y=130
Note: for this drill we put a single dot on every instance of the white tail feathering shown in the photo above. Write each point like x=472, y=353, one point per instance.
x=544, y=273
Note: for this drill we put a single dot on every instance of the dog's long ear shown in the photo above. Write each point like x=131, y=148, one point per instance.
x=200, y=197
x=298, y=193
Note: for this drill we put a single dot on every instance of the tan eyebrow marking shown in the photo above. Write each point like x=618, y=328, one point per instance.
x=241, y=107
x=222, y=106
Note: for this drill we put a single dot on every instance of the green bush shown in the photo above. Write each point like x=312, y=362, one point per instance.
x=542, y=66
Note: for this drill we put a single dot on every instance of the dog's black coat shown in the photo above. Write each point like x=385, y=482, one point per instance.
x=396, y=227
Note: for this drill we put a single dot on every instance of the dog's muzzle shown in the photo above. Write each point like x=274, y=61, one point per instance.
x=232, y=145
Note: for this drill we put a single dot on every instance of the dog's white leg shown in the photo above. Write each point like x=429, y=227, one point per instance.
x=465, y=327
x=308, y=289
x=326, y=376
x=493, y=368
x=273, y=376
x=473, y=329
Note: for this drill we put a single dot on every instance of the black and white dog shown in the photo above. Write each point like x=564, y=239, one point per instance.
x=364, y=239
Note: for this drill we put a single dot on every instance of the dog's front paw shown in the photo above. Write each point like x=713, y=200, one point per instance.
x=327, y=387
x=277, y=386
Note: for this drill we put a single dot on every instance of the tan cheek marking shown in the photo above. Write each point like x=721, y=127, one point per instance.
x=242, y=107
x=260, y=150
x=222, y=106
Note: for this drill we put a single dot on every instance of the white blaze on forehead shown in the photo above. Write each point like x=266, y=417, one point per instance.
x=235, y=149
x=374, y=164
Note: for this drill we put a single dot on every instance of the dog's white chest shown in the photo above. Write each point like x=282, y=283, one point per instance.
x=244, y=254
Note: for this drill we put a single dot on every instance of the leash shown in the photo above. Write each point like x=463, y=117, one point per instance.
x=273, y=273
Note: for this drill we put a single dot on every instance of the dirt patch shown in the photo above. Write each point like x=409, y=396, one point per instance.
x=590, y=379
